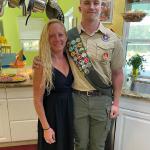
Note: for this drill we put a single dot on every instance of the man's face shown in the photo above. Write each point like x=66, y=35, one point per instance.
x=90, y=9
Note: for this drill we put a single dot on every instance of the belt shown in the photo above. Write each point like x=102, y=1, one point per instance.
x=88, y=93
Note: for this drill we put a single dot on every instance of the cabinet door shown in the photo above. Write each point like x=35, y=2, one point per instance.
x=2, y=94
x=4, y=122
x=22, y=92
x=21, y=109
x=23, y=130
x=132, y=130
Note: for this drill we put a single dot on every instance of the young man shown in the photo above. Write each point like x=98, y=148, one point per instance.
x=96, y=59
x=95, y=74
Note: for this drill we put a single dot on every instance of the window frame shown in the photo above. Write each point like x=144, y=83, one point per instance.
x=126, y=40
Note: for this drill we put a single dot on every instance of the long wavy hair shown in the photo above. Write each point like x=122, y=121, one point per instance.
x=45, y=54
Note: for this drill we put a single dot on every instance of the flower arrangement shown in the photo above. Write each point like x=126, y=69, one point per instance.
x=136, y=61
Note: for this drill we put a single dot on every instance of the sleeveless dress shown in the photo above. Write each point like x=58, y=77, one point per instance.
x=58, y=107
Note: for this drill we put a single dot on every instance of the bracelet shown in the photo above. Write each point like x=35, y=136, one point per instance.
x=46, y=128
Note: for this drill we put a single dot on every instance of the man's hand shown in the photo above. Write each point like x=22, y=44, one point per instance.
x=114, y=111
x=36, y=62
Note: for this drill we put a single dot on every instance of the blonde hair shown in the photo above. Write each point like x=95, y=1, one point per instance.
x=45, y=54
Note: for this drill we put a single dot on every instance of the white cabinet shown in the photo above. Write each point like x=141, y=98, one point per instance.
x=22, y=115
x=23, y=130
x=4, y=121
x=18, y=119
x=133, y=125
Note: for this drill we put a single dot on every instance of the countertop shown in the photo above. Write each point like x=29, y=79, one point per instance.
x=129, y=93
x=26, y=83
x=125, y=92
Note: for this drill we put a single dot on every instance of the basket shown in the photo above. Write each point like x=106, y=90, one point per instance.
x=132, y=1
x=136, y=16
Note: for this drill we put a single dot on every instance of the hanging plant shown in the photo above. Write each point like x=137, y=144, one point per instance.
x=133, y=16
x=132, y=1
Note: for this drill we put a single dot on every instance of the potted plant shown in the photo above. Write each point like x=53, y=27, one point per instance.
x=136, y=61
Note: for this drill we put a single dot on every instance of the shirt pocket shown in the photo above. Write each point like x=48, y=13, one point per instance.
x=104, y=53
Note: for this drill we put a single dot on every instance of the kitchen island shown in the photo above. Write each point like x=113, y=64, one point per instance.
x=18, y=120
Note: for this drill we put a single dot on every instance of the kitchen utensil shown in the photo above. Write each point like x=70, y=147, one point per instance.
x=15, y=3
x=35, y=6
x=39, y=5
x=1, y=11
x=24, y=11
x=53, y=10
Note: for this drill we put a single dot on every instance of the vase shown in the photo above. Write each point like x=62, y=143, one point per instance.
x=135, y=72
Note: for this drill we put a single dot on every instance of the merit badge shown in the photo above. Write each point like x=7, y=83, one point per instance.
x=81, y=50
x=73, y=42
x=86, y=71
x=79, y=45
x=105, y=56
x=73, y=54
x=79, y=55
x=83, y=54
x=105, y=37
x=77, y=40
x=86, y=60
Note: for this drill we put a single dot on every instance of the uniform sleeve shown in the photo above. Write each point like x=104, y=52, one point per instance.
x=118, y=55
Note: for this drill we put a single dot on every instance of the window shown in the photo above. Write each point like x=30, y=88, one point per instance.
x=69, y=19
x=30, y=34
x=137, y=37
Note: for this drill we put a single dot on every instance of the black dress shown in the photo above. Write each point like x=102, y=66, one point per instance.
x=58, y=107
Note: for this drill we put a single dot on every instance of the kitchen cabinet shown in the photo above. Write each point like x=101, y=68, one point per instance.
x=4, y=121
x=133, y=124
x=22, y=115
x=18, y=119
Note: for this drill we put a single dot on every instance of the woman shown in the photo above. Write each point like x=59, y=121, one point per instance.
x=52, y=90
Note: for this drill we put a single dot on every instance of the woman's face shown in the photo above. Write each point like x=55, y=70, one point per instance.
x=57, y=37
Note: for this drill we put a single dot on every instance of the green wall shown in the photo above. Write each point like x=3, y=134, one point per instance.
x=10, y=28
x=10, y=22
x=66, y=4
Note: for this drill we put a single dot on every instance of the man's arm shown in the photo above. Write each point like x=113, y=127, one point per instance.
x=117, y=82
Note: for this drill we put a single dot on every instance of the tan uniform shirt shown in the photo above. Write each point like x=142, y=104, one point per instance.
x=106, y=53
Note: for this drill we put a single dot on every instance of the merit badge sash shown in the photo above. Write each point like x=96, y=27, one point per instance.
x=80, y=57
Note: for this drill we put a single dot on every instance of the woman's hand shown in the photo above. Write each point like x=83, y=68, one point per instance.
x=49, y=136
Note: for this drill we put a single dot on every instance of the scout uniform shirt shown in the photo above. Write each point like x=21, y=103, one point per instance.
x=106, y=53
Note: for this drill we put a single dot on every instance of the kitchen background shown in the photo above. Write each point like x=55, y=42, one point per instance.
x=130, y=19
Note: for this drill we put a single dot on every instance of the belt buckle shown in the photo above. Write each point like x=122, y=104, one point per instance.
x=88, y=93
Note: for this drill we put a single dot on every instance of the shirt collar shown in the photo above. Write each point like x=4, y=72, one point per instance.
x=101, y=28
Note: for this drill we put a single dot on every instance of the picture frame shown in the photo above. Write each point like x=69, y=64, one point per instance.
x=106, y=11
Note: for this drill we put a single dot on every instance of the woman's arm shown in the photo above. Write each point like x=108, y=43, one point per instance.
x=38, y=92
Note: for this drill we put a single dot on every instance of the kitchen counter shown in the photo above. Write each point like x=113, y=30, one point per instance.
x=134, y=94
x=27, y=72
x=26, y=83
x=125, y=92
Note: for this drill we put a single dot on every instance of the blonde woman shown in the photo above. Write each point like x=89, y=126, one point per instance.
x=52, y=90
